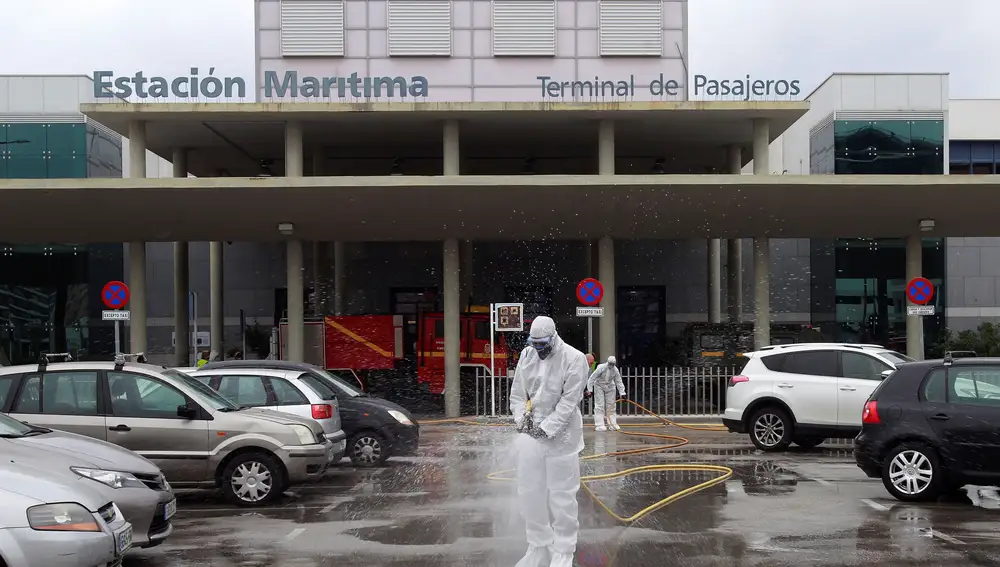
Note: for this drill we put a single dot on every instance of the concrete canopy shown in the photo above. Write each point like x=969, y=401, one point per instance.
x=530, y=207
x=234, y=137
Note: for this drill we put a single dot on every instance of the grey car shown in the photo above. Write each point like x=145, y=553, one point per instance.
x=54, y=522
x=198, y=438
x=136, y=485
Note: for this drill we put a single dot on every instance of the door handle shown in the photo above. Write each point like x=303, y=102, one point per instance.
x=848, y=389
x=785, y=385
x=940, y=417
x=120, y=428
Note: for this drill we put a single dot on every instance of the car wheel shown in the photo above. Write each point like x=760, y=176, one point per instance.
x=253, y=479
x=771, y=429
x=809, y=442
x=367, y=449
x=911, y=472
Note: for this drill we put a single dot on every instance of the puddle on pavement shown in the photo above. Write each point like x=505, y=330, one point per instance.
x=427, y=531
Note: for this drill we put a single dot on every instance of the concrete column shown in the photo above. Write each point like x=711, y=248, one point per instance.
x=294, y=159
x=467, y=261
x=606, y=147
x=606, y=274
x=216, y=299
x=295, y=350
x=714, y=280
x=914, y=323
x=339, y=278
x=182, y=321
x=452, y=152
x=762, y=292
x=137, y=149
x=137, y=291
x=452, y=329
x=761, y=147
x=734, y=251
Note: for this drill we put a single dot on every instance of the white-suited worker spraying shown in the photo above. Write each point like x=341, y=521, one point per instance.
x=545, y=399
x=602, y=383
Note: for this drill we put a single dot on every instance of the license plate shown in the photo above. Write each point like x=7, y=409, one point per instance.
x=170, y=509
x=123, y=540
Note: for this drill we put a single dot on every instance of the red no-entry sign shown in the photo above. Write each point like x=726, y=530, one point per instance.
x=920, y=291
x=115, y=295
x=590, y=292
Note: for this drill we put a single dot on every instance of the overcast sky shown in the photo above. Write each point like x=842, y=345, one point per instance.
x=805, y=39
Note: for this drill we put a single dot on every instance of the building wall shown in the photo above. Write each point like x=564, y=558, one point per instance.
x=472, y=72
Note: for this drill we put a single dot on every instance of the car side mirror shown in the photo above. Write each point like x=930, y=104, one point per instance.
x=186, y=412
x=886, y=373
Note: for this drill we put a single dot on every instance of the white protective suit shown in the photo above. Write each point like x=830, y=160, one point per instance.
x=605, y=378
x=548, y=469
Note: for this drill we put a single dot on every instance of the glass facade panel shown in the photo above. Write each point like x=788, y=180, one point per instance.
x=887, y=147
x=821, y=151
x=975, y=158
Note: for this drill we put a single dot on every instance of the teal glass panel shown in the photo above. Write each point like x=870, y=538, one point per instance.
x=26, y=140
x=66, y=167
x=67, y=139
x=26, y=167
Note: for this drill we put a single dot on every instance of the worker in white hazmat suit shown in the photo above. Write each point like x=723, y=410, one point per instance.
x=545, y=399
x=602, y=384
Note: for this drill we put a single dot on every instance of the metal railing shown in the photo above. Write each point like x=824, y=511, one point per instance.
x=677, y=391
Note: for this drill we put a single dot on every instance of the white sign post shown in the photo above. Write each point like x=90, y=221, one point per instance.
x=504, y=317
x=116, y=315
x=590, y=313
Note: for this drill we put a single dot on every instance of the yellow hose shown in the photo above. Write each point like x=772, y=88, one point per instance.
x=723, y=472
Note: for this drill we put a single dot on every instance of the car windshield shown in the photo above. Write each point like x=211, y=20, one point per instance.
x=10, y=427
x=202, y=393
x=895, y=357
x=344, y=388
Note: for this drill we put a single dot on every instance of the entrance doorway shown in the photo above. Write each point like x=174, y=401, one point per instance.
x=642, y=333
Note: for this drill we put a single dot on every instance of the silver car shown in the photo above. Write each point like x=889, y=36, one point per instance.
x=198, y=438
x=51, y=522
x=136, y=485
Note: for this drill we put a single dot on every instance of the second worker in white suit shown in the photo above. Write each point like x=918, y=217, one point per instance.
x=602, y=383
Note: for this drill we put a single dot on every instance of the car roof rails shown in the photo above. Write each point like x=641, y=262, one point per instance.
x=47, y=358
x=951, y=355
x=122, y=358
x=796, y=345
x=268, y=364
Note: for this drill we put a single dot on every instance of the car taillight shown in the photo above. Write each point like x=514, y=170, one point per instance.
x=870, y=414
x=322, y=411
x=737, y=379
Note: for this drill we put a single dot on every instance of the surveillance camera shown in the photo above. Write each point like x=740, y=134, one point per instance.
x=286, y=228
x=927, y=225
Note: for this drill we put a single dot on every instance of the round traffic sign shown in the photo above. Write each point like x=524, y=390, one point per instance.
x=920, y=291
x=590, y=292
x=115, y=295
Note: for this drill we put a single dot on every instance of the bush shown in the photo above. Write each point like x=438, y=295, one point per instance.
x=984, y=341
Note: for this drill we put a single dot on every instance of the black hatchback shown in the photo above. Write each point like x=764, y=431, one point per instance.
x=933, y=426
x=376, y=428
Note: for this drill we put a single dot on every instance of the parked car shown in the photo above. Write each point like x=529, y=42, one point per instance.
x=931, y=427
x=376, y=429
x=49, y=521
x=136, y=485
x=197, y=437
x=804, y=393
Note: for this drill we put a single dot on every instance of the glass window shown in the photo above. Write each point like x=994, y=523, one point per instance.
x=978, y=385
x=343, y=382
x=895, y=356
x=482, y=330
x=934, y=387
x=286, y=394
x=201, y=392
x=61, y=393
x=773, y=362
x=322, y=389
x=134, y=395
x=814, y=363
x=439, y=328
x=6, y=383
x=857, y=365
x=900, y=147
x=244, y=390
x=982, y=169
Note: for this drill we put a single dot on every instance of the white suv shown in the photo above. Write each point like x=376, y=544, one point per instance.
x=805, y=393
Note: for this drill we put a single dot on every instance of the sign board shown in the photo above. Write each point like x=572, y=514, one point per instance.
x=509, y=317
x=920, y=310
x=202, y=339
x=590, y=312
x=115, y=295
x=590, y=292
x=115, y=315
x=920, y=291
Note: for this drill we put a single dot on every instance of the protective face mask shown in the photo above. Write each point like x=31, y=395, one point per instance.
x=543, y=346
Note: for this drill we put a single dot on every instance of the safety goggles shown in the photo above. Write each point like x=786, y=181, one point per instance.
x=540, y=343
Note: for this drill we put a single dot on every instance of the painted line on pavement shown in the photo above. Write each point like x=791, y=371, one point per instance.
x=945, y=537
x=329, y=508
x=292, y=535
x=821, y=481
x=875, y=505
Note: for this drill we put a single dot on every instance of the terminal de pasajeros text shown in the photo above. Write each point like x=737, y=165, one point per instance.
x=746, y=88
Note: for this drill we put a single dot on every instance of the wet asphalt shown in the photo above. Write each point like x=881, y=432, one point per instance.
x=797, y=508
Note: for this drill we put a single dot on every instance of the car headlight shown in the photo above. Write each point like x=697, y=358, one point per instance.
x=306, y=436
x=64, y=517
x=400, y=417
x=114, y=479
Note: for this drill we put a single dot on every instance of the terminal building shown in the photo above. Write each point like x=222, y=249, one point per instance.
x=400, y=156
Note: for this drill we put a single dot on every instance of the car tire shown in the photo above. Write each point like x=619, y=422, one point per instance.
x=912, y=472
x=367, y=449
x=809, y=442
x=771, y=429
x=261, y=474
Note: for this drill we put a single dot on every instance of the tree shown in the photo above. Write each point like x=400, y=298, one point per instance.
x=984, y=340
